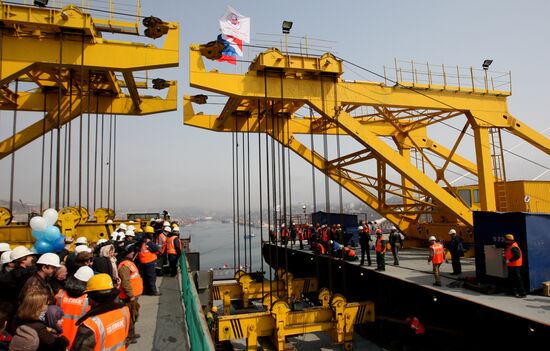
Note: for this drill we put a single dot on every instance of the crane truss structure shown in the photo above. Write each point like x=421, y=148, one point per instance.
x=266, y=100
x=68, y=68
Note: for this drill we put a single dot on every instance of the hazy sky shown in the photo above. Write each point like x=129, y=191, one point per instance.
x=162, y=163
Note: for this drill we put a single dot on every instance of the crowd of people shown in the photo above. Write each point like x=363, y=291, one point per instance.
x=85, y=297
x=332, y=240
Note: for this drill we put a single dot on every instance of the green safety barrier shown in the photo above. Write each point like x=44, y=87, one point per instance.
x=199, y=335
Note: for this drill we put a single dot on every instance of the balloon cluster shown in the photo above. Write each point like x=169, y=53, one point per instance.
x=48, y=236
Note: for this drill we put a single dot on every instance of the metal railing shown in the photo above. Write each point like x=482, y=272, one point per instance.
x=426, y=75
x=199, y=335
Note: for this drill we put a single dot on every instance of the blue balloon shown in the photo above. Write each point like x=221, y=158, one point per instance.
x=59, y=245
x=38, y=234
x=51, y=234
x=43, y=247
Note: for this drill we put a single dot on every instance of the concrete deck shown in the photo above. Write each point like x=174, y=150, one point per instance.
x=161, y=322
x=414, y=267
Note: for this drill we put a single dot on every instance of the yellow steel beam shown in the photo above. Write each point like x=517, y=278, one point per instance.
x=120, y=105
x=485, y=170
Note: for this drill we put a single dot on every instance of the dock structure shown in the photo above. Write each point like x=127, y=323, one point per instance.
x=404, y=292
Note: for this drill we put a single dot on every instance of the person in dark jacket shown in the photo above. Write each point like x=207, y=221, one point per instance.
x=396, y=243
x=32, y=314
x=5, y=337
x=364, y=241
x=456, y=249
x=514, y=262
x=58, y=280
x=47, y=264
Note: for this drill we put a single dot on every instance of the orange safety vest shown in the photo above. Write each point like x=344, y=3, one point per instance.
x=161, y=242
x=438, y=253
x=379, y=247
x=135, y=279
x=73, y=308
x=284, y=233
x=110, y=329
x=171, y=245
x=519, y=261
x=144, y=255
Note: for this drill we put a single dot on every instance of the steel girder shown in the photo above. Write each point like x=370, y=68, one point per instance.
x=276, y=88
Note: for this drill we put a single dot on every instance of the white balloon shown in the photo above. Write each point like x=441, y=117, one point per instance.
x=38, y=223
x=50, y=215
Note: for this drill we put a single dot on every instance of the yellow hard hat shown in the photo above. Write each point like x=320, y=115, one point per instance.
x=214, y=309
x=149, y=229
x=509, y=237
x=138, y=230
x=100, y=282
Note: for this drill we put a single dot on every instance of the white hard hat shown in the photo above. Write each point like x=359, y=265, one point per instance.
x=19, y=252
x=360, y=227
x=131, y=227
x=452, y=231
x=82, y=248
x=176, y=229
x=114, y=235
x=121, y=237
x=81, y=240
x=431, y=238
x=49, y=259
x=84, y=274
x=4, y=247
x=5, y=257
x=282, y=225
x=168, y=229
x=101, y=241
x=109, y=221
x=122, y=226
x=130, y=232
x=166, y=223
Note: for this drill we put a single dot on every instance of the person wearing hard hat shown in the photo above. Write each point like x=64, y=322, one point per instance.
x=437, y=257
x=131, y=287
x=4, y=247
x=122, y=228
x=456, y=249
x=105, y=326
x=46, y=266
x=130, y=236
x=70, y=261
x=364, y=241
x=211, y=318
x=173, y=250
x=161, y=243
x=8, y=291
x=73, y=300
x=147, y=256
x=514, y=262
x=380, y=248
x=396, y=243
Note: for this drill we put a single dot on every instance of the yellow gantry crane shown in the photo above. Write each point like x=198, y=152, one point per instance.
x=56, y=60
x=266, y=99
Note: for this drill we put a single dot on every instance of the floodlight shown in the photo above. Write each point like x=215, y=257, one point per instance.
x=486, y=64
x=287, y=26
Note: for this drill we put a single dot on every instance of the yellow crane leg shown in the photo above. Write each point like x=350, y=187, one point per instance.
x=247, y=326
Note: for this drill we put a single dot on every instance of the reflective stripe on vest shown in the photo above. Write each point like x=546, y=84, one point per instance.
x=519, y=261
x=110, y=329
x=146, y=256
x=170, y=245
x=438, y=253
x=135, y=279
x=73, y=308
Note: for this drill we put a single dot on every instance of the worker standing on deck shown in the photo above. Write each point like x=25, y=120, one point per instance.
x=364, y=241
x=437, y=257
x=161, y=243
x=131, y=288
x=514, y=261
x=456, y=249
x=284, y=235
x=380, y=251
x=148, y=257
x=396, y=243
x=105, y=326
x=173, y=250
